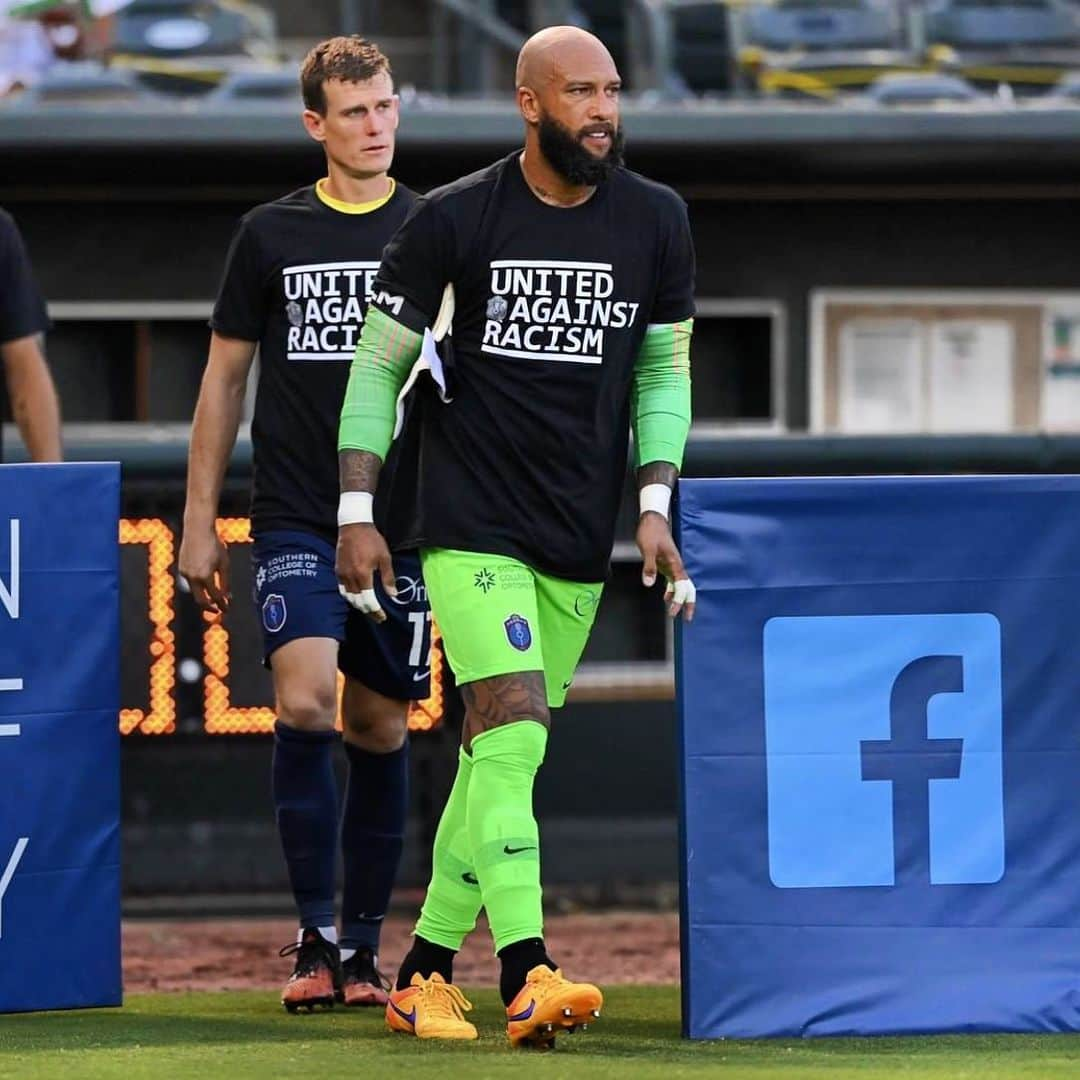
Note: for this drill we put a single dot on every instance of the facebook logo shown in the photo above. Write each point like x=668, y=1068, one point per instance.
x=883, y=744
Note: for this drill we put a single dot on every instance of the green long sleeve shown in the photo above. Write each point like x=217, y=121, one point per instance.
x=660, y=396
x=383, y=360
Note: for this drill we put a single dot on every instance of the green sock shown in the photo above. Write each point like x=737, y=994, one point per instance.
x=453, y=896
x=502, y=829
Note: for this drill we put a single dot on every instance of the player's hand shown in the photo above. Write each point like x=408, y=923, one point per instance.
x=361, y=550
x=204, y=565
x=658, y=550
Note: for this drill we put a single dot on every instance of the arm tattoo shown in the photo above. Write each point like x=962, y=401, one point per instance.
x=504, y=699
x=657, y=472
x=359, y=470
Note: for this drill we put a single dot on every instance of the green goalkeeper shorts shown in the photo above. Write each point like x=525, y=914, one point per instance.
x=498, y=616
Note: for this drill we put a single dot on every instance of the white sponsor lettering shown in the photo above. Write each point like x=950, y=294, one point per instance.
x=9, y=873
x=9, y=594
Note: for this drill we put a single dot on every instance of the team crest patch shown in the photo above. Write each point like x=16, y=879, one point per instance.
x=294, y=313
x=518, y=633
x=274, y=613
x=497, y=308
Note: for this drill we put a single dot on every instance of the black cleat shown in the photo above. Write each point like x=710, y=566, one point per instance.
x=316, y=978
x=362, y=983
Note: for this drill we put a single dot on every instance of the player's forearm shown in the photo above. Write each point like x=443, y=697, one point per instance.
x=34, y=405
x=383, y=360
x=660, y=406
x=213, y=436
x=657, y=472
x=358, y=470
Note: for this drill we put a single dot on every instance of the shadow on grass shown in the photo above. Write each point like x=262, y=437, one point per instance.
x=640, y=1023
x=118, y=1028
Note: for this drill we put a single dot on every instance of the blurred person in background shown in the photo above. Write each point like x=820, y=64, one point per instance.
x=23, y=321
x=36, y=34
x=297, y=282
x=574, y=291
x=25, y=51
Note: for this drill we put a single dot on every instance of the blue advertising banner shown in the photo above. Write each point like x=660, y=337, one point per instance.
x=59, y=739
x=880, y=719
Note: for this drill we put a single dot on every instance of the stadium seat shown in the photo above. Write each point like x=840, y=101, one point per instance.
x=997, y=24
x=796, y=25
x=1028, y=44
x=180, y=28
x=259, y=86
x=83, y=83
x=819, y=47
x=921, y=89
x=190, y=46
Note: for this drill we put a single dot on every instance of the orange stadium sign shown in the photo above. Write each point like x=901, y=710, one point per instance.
x=221, y=716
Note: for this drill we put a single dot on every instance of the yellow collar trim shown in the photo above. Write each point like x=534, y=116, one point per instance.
x=352, y=207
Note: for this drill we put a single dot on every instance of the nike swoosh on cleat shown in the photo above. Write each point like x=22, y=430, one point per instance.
x=525, y=1014
x=470, y=879
x=422, y=676
x=409, y=1018
x=567, y=685
x=507, y=849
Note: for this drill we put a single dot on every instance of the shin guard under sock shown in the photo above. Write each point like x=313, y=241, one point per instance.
x=305, y=803
x=372, y=836
x=503, y=832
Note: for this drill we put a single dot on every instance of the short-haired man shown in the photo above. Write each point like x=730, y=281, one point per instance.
x=23, y=320
x=297, y=282
x=573, y=280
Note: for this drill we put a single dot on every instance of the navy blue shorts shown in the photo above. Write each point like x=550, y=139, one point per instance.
x=296, y=596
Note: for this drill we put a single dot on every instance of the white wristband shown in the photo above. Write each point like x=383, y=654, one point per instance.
x=356, y=508
x=655, y=497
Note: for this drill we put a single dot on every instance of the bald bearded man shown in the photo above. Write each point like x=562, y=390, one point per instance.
x=573, y=281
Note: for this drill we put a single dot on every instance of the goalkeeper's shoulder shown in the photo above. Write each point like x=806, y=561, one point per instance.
x=458, y=203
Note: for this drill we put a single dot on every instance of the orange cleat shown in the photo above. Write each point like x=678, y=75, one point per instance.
x=316, y=976
x=547, y=1004
x=430, y=1009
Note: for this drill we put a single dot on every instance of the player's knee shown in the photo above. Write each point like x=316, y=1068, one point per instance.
x=308, y=708
x=375, y=723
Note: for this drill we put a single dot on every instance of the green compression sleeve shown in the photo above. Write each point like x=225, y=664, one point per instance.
x=503, y=832
x=453, y=896
x=660, y=397
x=383, y=360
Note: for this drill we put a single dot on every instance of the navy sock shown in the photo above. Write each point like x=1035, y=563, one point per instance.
x=372, y=836
x=305, y=802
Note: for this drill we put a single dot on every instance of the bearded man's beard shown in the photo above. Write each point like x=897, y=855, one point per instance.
x=571, y=160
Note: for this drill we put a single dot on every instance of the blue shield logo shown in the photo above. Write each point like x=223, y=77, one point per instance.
x=884, y=750
x=518, y=633
x=274, y=613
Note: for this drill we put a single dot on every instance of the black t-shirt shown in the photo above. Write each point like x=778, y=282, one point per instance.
x=298, y=279
x=22, y=310
x=552, y=305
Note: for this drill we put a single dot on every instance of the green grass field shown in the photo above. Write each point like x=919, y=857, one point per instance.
x=247, y=1035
